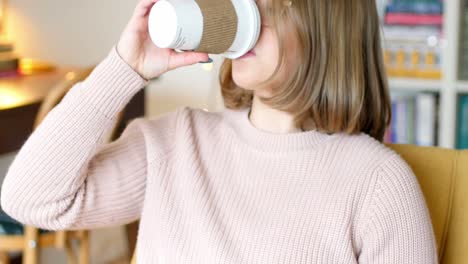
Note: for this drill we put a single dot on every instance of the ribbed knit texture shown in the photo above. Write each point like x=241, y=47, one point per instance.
x=210, y=187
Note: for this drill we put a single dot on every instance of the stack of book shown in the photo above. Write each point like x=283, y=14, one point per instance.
x=9, y=61
x=412, y=32
x=414, y=119
x=414, y=12
x=462, y=127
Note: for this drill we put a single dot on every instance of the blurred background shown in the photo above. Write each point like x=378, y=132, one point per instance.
x=49, y=44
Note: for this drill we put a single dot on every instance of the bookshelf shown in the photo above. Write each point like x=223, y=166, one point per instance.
x=415, y=85
x=448, y=95
x=449, y=87
x=462, y=86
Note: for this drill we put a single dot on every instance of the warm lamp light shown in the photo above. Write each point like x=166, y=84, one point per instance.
x=10, y=97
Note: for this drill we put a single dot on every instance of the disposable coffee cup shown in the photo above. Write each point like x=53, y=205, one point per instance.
x=229, y=28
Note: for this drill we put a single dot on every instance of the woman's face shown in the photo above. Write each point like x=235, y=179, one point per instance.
x=250, y=71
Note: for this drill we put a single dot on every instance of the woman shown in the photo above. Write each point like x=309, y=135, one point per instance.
x=293, y=171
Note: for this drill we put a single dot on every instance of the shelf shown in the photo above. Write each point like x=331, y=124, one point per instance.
x=462, y=86
x=413, y=84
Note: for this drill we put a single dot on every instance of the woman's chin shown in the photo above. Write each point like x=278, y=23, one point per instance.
x=244, y=78
x=243, y=82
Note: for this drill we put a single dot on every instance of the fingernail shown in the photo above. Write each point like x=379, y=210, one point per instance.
x=208, y=61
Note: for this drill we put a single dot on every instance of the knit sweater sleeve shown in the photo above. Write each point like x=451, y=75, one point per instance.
x=65, y=176
x=397, y=226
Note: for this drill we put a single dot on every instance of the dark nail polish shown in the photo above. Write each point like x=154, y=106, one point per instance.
x=210, y=60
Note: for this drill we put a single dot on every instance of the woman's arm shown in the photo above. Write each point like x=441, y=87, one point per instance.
x=64, y=176
x=397, y=227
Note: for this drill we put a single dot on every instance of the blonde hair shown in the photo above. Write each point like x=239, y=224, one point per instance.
x=339, y=80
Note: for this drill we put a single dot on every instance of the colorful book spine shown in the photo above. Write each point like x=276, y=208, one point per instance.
x=413, y=19
x=410, y=119
x=401, y=121
x=416, y=7
x=413, y=119
x=393, y=124
x=12, y=73
x=425, y=108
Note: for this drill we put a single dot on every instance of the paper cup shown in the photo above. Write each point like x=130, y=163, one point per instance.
x=227, y=27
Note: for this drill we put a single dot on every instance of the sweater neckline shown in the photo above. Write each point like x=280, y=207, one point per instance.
x=269, y=141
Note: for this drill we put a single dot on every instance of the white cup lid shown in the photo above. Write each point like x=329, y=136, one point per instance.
x=162, y=24
x=248, y=28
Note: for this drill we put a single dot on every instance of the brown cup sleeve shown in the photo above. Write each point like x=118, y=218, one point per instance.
x=219, y=26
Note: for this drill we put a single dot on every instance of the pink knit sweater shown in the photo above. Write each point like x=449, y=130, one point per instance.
x=210, y=187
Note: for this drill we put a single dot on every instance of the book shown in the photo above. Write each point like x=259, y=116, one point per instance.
x=6, y=46
x=413, y=19
x=393, y=124
x=12, y=73
x=425, y=108
x=403, y=119
x=410, y=119
x=413, y=119
x=462, y=126
x=9, y=61
x=417, y=7
x=10, y=64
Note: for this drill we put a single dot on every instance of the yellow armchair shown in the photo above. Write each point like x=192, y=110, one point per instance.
x=443, y=176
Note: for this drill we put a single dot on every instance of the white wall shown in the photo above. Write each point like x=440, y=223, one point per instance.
x=80, y=33
x=65, y=31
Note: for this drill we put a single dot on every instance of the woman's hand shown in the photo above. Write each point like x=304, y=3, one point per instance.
x=136, y=48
